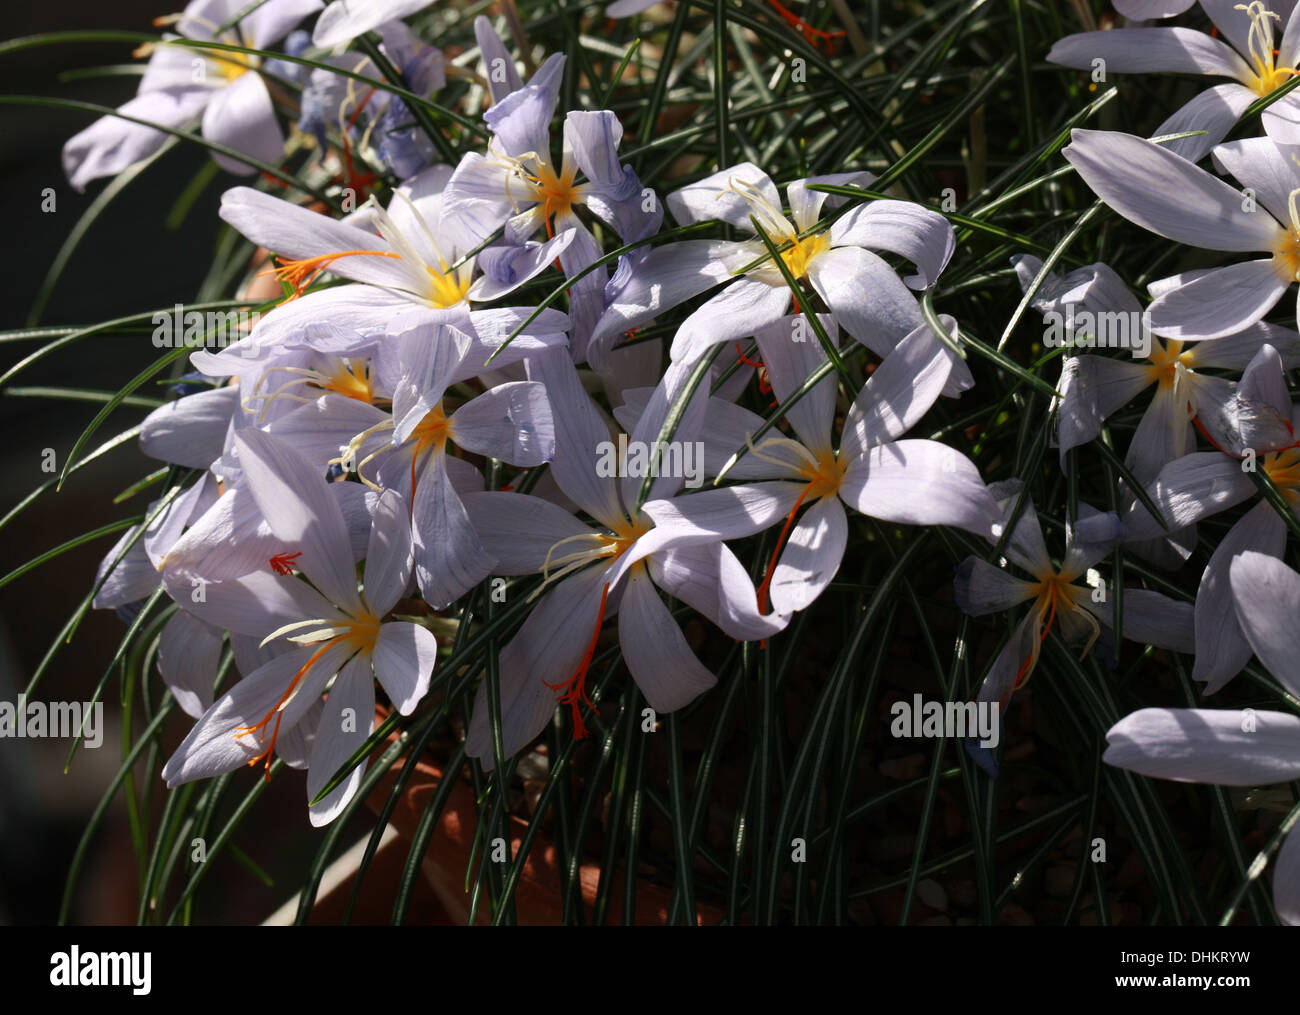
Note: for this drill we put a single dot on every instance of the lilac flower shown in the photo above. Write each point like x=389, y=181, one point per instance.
x=409, y=263
x=1141, y=10
x=916, y=482
x=516, y=184
x=344, y=20
x=1252, y=61
x=862, y=291
x=1205, y=483
x=1173, y=198
x=1229, y=747
x=593, y=573
x=1094, y=387
x=1080, y=612
x=182, y=83
x=410, y=448
x=339, y=632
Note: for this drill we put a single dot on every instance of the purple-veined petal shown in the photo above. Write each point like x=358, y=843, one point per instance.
x=519, y=530
x=981, y=588
x=1149, y=50
x=404, y=656
x=1221, y=302
x=110, y=144
x=1267, y=594
x=655, y=650
x=241, y=116
x=343, y=20
x=738, y=311
x=449, y=559
x=189, y=652
x=920, y=482
x=918, y=234
x=511, y=422
x=345, y=722
x=811, y=556
x=868, y=300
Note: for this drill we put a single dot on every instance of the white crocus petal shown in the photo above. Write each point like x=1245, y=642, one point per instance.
x=388, y=554
x=295, y=500
x=1267, y=596
x=667, y=276
x=1026, y=547
x=321, y=430
x=298, y=233
x=1234, y=352
x=449, y=560
x=1141, y=10
x=493, y=49
x=189, y=652
x=1234, y=21
x=868, y=300
x=524, y=263
x=655, y=650
x=270, y=22
x=579, y=432
x=1264, y=382
x=790, y=358
x=718, y=197
x=980, y=588
x=511, y=422
x=295, y=743
x=1161, y=435
x=1221, y=646
x=1221, y=302
x=737, y=312
x=1148, y=50
x=345, y=722
x=1216, y=746
x=918, y=234
x=519, y=530
x=343, y=20
x=229, y=540
x=190, y=431
x=729, y=512
x=1213, y=111
x=1286, y=881
x=1014, y=660
x=241, y=116
x=709, y=578
x=1093, y=387
x=1189, y=489
x=404, y=656
x=1166, y=194
x=920, y=482
x=727, y=428
x=133, y=577
x=811, y=556
x=806, y=205
x=1149, y=618
x=1289, y=45
x=110, y=144
x=212, y=746
x=255, y=604
x=898, y=393
x=648, y=428
x=1265, y=168
x=626, y=8
x=547, y=650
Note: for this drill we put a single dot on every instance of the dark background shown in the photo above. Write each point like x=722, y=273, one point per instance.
x=129, y=263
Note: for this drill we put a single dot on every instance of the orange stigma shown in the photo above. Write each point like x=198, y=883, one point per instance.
x=301, y=273
x=574, y=690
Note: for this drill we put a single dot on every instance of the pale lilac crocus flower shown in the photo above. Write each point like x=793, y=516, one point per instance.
x=1080, y=611
x=863, y=293
x=183, y=83
x=340, y=632
x=595, y=572
x=1256, y=64
x=1166, y=194
x=1234, y=747
x=414, y=259
x=874, y=471
x=1205, y=483
x=344, y=20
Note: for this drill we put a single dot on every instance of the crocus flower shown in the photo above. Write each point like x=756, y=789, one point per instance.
x=1142, y=10
x=1234, y=747
x=863, y=293
x=183, y=83
x=1173, y=198
x=1205, y=483
x=409, y=263
x=1079, y=611
x=594, y=572
x=1253, y=63
x=517, y=184
x=339, y=632
x=915, y=482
